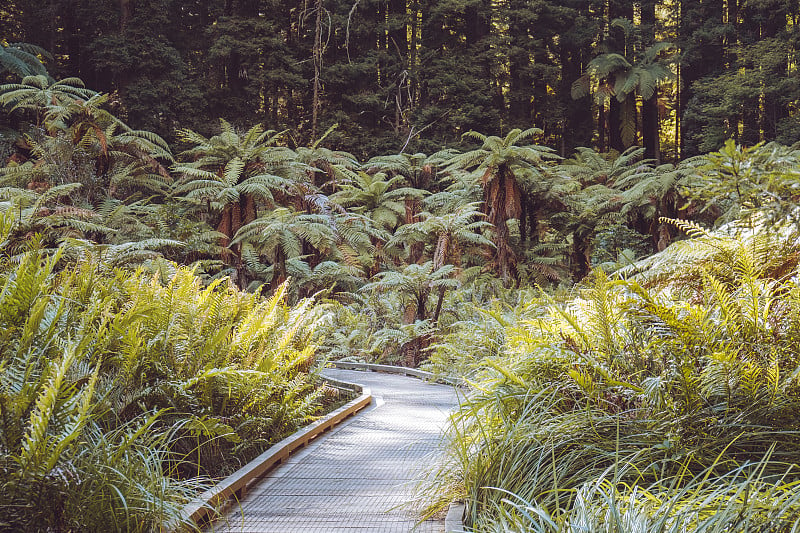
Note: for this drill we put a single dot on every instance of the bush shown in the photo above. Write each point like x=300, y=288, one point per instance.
x=670, y=379
x=120, y=393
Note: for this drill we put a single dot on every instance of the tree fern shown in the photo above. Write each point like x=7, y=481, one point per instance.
x=22, y=59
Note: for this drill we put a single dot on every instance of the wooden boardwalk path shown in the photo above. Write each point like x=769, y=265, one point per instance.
x=356, y=478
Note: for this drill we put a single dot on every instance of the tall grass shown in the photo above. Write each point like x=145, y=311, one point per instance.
x=740, y=500
x=668, y=398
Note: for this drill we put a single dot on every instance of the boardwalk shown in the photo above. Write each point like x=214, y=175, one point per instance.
x=354, y=479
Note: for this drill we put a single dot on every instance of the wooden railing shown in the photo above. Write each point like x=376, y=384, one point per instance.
x=205, y=506
x=389, y=369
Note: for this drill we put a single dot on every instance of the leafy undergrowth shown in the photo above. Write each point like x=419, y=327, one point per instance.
x=662, y=399
x=122, y=393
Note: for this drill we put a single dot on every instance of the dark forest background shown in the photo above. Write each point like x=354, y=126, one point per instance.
x=676, y=76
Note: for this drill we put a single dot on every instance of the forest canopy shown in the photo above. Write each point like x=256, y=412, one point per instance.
x=675, y=76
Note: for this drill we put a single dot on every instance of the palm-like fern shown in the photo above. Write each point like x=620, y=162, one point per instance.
x=503, y=170
x=22, y=59
x=44, y=213
x=616, y=75
x=231, y=171
x=375, y=196
x=282, y=235
x=322, y=163
x=359, y=242
x=36, y=93
x=83, y=142
x=232, y=174
x=414, y=285
x=449, y=233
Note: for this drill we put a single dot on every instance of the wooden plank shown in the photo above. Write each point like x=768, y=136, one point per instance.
x=204, y=505
x=360, y=477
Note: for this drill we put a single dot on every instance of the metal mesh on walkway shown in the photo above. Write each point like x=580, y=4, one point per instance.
x=358, y=477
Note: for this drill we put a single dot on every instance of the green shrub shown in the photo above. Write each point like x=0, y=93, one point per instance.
x=120, y=393
x=648, y=382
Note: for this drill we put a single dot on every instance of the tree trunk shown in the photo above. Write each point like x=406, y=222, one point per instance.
x=581, y=265
x=504, y=255
x=317, y=59
x=751, y=133
x=520, y=95
x=650, y=130
x=650, y=126
x=124, y=13
x=279, y=274
x=678, y=115
x=438, y=310
x=601, y=127
x=577, y=131
x=413, y=208
x=398, y=30
x=422, y=300
x=502, y=204
x=477, y=22
x=615, y=41
x=520, y=108
x=248, y=209
x=413, y=82
x=703, y=53
x=615, y=126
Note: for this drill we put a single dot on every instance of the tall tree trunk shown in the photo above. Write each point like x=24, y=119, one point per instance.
x=650, y=129
x=703, y=52
x=279, y=274
x=773, y=108
x=477, y=21
x=248, y=209
x=317, y=57
x=520, y=108
x=650, y=126
x=678, y=114
x=616, y=41
x=422, y=300
x=580, y=258
x=619, y=9
x=398, y=30
x=615, y=125
x=439, y=301
x=577, y=130
x=520, y=95
x=750, y=133
x=413, y=208
x=414, y=14
x=397, y=69
x=601, y=127
x=124, y=13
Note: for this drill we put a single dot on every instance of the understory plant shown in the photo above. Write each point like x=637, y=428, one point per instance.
x=122, y=393
x=643, y=402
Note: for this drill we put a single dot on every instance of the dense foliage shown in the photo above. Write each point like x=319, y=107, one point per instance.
x=663, y=398
x=389, y=239
x=678, y=76
x=121, y=392
x=158, y=297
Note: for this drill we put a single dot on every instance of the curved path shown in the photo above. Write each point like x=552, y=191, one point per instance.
x=356, y=478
